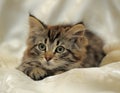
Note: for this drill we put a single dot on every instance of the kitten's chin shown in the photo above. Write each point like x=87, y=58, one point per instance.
x=49, y=65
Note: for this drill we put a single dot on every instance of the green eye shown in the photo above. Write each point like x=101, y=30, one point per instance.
x=60, y=49
x=42, y=46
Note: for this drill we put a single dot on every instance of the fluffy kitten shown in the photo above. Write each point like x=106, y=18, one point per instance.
x=55, y=49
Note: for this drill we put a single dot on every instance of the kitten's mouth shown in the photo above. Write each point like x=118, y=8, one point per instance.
x=48, y=63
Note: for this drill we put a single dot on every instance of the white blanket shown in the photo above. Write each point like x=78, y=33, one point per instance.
x=100, y=16
x=92, y=80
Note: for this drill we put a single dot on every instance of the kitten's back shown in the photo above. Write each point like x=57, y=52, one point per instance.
x=95, y=51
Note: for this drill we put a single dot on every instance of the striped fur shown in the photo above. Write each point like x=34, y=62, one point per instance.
x=55, y=49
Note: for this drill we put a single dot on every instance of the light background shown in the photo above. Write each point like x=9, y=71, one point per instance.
x=100, y=16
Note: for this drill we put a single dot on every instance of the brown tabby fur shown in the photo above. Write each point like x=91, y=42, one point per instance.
x=45, y=57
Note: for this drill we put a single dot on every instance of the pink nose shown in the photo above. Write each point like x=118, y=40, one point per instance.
x=48, y=56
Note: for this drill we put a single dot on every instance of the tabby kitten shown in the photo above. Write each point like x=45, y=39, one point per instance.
x=55, y=49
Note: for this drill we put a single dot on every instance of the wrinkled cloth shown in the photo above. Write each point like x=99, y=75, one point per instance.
x=91, y=80
x=102, y=17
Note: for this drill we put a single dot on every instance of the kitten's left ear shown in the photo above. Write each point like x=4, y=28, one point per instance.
x=77, y=30
x=76, y=35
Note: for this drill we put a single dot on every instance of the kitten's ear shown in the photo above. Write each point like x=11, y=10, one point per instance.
x=76, y=35
x=35, y=24
x=36, y=28
x=77, y=30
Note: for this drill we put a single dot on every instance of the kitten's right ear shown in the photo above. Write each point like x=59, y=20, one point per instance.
x=35, y=24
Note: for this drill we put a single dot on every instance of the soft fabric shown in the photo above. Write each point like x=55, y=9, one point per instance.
x=105, y=79
x=100, y=16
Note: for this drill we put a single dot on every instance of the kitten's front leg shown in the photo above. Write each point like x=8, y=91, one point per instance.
x=58, y=72
x=33, y=70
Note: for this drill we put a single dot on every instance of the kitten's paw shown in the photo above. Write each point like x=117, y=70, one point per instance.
x=36, y=73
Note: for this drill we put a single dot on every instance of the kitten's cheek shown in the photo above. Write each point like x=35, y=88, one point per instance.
x=42, y=61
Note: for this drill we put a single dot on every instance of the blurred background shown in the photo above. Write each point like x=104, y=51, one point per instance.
x=100, y=16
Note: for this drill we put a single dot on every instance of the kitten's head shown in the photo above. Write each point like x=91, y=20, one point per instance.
x=55, y=46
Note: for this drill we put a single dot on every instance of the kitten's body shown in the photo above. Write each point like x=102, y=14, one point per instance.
x=55, y=49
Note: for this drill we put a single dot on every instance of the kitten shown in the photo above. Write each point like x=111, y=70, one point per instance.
x=53, y=50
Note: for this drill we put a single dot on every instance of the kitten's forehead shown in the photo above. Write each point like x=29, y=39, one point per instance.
x=55, y=32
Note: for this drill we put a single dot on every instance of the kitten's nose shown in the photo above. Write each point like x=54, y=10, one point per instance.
x=48, y=56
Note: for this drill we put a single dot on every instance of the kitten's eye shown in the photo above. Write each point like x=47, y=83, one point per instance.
x=60, y=49
x=42, y=46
